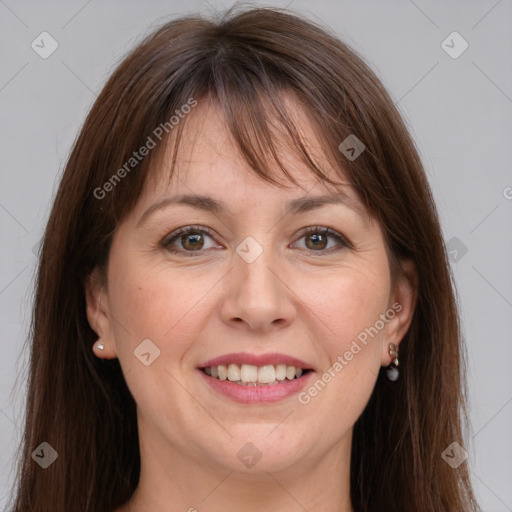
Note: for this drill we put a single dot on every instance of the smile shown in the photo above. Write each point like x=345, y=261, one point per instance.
x=256, y=392
x=251, y=375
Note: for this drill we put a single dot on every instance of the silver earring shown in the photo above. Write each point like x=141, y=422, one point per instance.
x=392, y=370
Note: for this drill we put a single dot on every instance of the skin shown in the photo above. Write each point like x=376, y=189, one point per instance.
x=293, y=299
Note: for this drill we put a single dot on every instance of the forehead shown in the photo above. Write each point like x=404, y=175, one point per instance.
x=209, y=158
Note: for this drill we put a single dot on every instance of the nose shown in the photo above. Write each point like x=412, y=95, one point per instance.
x=257, y=296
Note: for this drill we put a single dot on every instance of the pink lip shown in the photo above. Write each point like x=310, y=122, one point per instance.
x=257, y=360
x=257, y=394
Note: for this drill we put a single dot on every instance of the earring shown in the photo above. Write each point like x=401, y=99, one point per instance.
x=392, y=370
x=99, y=346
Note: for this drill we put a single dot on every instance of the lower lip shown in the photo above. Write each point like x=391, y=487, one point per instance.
x=257, y=394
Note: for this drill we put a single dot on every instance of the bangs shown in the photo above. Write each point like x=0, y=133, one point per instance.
x=262, y=130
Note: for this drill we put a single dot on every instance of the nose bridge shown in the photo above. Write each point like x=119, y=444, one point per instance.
x=253, y=264
x=257, y=276
x=257, y=295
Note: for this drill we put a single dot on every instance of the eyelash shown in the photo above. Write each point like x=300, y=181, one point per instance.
x=166, y=243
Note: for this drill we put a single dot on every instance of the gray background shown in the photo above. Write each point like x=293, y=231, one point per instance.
x=459, y=111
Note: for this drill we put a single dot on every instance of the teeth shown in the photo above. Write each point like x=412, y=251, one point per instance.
x=250, y=375
x=223, y=372
x=233, y=372
x=267, y=374
x=281, y=371
x=290, y=372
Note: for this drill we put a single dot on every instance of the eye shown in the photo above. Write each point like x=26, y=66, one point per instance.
x=194, y=239
x=188, y=240
x=317, y=239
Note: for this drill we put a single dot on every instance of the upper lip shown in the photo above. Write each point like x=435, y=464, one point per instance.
x=257, y=360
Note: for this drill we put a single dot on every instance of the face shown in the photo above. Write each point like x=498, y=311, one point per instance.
x=256, y=281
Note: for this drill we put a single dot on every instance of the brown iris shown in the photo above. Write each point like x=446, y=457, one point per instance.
x=319, y=241
x=192, y=241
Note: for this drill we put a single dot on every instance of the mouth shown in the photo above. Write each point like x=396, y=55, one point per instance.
x=255, y=376
x=256, y=379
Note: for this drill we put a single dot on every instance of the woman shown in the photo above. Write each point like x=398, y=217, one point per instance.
x=243, y=296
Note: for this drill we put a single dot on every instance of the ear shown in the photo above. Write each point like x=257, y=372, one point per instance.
x=401, y=305
x=96, y=299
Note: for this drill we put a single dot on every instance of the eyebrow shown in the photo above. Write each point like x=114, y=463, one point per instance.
x=294, y=206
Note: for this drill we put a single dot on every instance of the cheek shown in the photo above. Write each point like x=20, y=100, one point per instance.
x=352, y=347
x=168, y=308
x=346, y=304
x=156, y=303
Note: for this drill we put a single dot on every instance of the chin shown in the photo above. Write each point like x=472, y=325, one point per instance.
x=260, y=449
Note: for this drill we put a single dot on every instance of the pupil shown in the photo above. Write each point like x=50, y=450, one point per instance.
x=318, y=240
x=194, y=238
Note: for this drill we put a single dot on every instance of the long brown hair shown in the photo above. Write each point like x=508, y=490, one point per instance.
x=244, y=59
